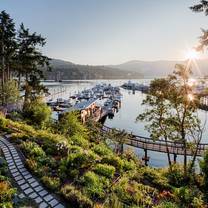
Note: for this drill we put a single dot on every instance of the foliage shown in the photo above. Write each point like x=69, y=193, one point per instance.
x=7, y=51
x=105, y=170
x=153, y=177
x=79, y=159
x=186, y=196
x=93, y=185
x=172, y=113
x=30, y=61
x=32, y=149
x=37, y=113
x=75, y=197
x=204, y=169
x=52, y=183
x=167, y=205
x=175, y=175
x=78, y=139
x=102, y=150
x=133, y=193
x=6, y=192
x=113, y=160
x=70, y=124
x=97, y=173
x=9, y=93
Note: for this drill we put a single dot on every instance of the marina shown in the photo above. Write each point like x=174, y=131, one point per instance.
x=125, y=118
x=96, y=103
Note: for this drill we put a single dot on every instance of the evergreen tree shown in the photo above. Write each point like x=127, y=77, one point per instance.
x=31, y=62
x=7, y=47
x=202, y=7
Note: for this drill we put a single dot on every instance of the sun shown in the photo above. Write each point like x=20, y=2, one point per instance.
x=192, y=55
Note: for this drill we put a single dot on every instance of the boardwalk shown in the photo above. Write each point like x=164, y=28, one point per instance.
x=29, y=186
x=160, y=145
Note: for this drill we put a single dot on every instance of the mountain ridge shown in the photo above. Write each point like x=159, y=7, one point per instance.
x=133, y=69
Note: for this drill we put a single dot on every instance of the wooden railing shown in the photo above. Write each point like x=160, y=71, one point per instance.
x=160, y=145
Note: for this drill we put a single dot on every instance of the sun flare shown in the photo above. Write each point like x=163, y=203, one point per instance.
x=192, y=55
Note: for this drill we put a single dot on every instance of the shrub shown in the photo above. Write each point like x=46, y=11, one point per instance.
x=3, y=122
x=75, y=197
x=167, y=205
x=9, y=92
x=186, y=196
x=37, y=113
x=113, y=160
x=79, y=159
x=32, y=149
x=134, y=193
x=175, y=176
x=6, y=192
x=154, y=177
x=102, y=150
x=32, y=165
x=70, y=124
x=78, y=139
x=52, y=183
x=204, y=169
x=129, y=165
x=105, y=170
x=93, y=186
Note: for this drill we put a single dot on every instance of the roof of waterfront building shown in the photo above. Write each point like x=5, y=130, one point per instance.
x=81, y=105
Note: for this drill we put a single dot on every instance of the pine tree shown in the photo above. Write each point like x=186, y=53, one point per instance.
x=31, y=62
x=7, y=47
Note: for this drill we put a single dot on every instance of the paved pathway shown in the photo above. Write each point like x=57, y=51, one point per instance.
x=29, y=186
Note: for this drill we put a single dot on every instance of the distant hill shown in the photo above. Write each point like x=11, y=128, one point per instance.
x=151, y=69
x=64, y=70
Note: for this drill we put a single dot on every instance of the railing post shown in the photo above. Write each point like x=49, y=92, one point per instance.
x=145, y=158
x=175, y=157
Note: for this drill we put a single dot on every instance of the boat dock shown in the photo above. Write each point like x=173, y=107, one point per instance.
x=145, y=143
x=96, y=103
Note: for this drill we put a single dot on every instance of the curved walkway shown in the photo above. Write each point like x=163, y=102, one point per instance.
x=159, y=145
x=29, y=186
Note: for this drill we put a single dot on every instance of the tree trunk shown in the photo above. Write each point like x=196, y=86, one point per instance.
x=185, y=160
x=19, y=80
x=27, y=92
x=168, y=153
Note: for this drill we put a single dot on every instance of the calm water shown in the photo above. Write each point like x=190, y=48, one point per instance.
x=126, y=117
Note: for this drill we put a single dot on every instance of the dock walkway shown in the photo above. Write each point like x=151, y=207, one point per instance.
x=160, y=145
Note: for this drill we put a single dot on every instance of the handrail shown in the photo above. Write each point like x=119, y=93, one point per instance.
x=160, y=142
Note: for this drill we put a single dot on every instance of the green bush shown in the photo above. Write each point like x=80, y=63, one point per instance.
x=128, y=165
x=113, y=160
x=175, y=175
x=6, y=192
x=105, y=170
x=79, y=159
x=3, y=122
x=167, y=205
x=102, y=149
x=135, y=194
x=70, y=124
x=186, y=196
x=32, y=149
x=75, y=197
x=155, y=178
x=204, y=170
x=78, y=139
x=52, y=183
x=93, y=185
x=37, y=113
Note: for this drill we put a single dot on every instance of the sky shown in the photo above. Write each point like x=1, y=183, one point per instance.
x=102, y=32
